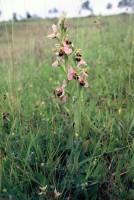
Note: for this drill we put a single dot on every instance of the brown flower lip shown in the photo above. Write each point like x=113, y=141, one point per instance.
x=68, y=42
x=58, y=92
x=78, y=54
x=82, y=83
x=61, y=52
x=75, y=76
x=78, y=59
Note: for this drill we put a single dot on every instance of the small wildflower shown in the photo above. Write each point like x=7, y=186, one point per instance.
x=84, y=185
x=56, y=194
x=42, y=164
x=94, y=162
x=120, y=111
x=42, y=103
x=42, y=190
x=76, y=134
x=4, y=190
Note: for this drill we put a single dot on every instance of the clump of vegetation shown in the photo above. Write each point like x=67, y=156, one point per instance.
x=67, y=131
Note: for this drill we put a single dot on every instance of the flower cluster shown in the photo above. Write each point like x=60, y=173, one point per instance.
x=66, y=53
x=74, y=75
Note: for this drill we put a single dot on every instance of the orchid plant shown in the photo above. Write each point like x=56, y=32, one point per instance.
x=66, y=54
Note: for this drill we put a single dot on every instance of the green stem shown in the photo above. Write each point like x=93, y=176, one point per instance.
x=63, y=69
x=77, y=121
x=77, y=112
x=66, y=61
x=0, y=172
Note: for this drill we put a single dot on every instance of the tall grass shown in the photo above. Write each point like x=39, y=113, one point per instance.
x=37, y=159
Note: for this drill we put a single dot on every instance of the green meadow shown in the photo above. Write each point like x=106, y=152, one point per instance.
x=41, y=154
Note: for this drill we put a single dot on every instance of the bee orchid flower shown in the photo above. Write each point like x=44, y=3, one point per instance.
x=57, y=62
x=64, y=50
x=85, y=74
x=55, y=32
x=66, y=42
x=72, y=74
x=82, y=79
x=59, y=92
x=79, y=59
x=81, y=62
